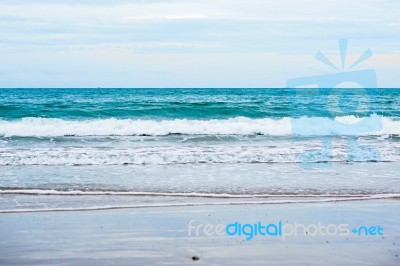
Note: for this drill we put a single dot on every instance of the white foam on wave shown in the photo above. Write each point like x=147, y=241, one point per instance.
x=347, y=125
x=307, y=151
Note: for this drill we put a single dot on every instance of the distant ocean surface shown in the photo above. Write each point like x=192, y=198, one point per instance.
x=68, y=149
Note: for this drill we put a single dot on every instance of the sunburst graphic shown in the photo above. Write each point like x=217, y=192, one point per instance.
x=343, y=53
x=359, y=78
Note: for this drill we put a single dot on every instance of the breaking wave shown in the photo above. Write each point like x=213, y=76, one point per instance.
x=304, y=126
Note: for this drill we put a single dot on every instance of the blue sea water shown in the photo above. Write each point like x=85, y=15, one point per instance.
x=180, y=146
x=80, y=104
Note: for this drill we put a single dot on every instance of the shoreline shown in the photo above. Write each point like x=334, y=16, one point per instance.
x=275, y=200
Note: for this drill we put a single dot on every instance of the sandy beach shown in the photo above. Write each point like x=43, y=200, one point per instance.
x=159, y=236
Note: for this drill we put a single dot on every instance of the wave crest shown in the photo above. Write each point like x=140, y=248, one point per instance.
x=305, y=126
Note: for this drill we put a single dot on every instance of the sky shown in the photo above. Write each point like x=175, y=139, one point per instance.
x=200, y=43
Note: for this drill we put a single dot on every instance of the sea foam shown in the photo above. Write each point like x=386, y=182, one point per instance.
x=304, y=126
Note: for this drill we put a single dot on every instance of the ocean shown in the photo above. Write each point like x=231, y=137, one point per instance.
x=89, y=149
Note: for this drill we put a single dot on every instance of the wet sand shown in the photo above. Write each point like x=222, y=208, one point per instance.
x=159, y=236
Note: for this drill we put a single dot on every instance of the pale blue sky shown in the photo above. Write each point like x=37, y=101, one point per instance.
x=202, y=43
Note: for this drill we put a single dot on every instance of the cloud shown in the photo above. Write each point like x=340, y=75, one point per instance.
x=90, y=31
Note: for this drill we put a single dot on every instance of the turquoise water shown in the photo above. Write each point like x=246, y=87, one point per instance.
x=68, y=148
x=195, y=103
